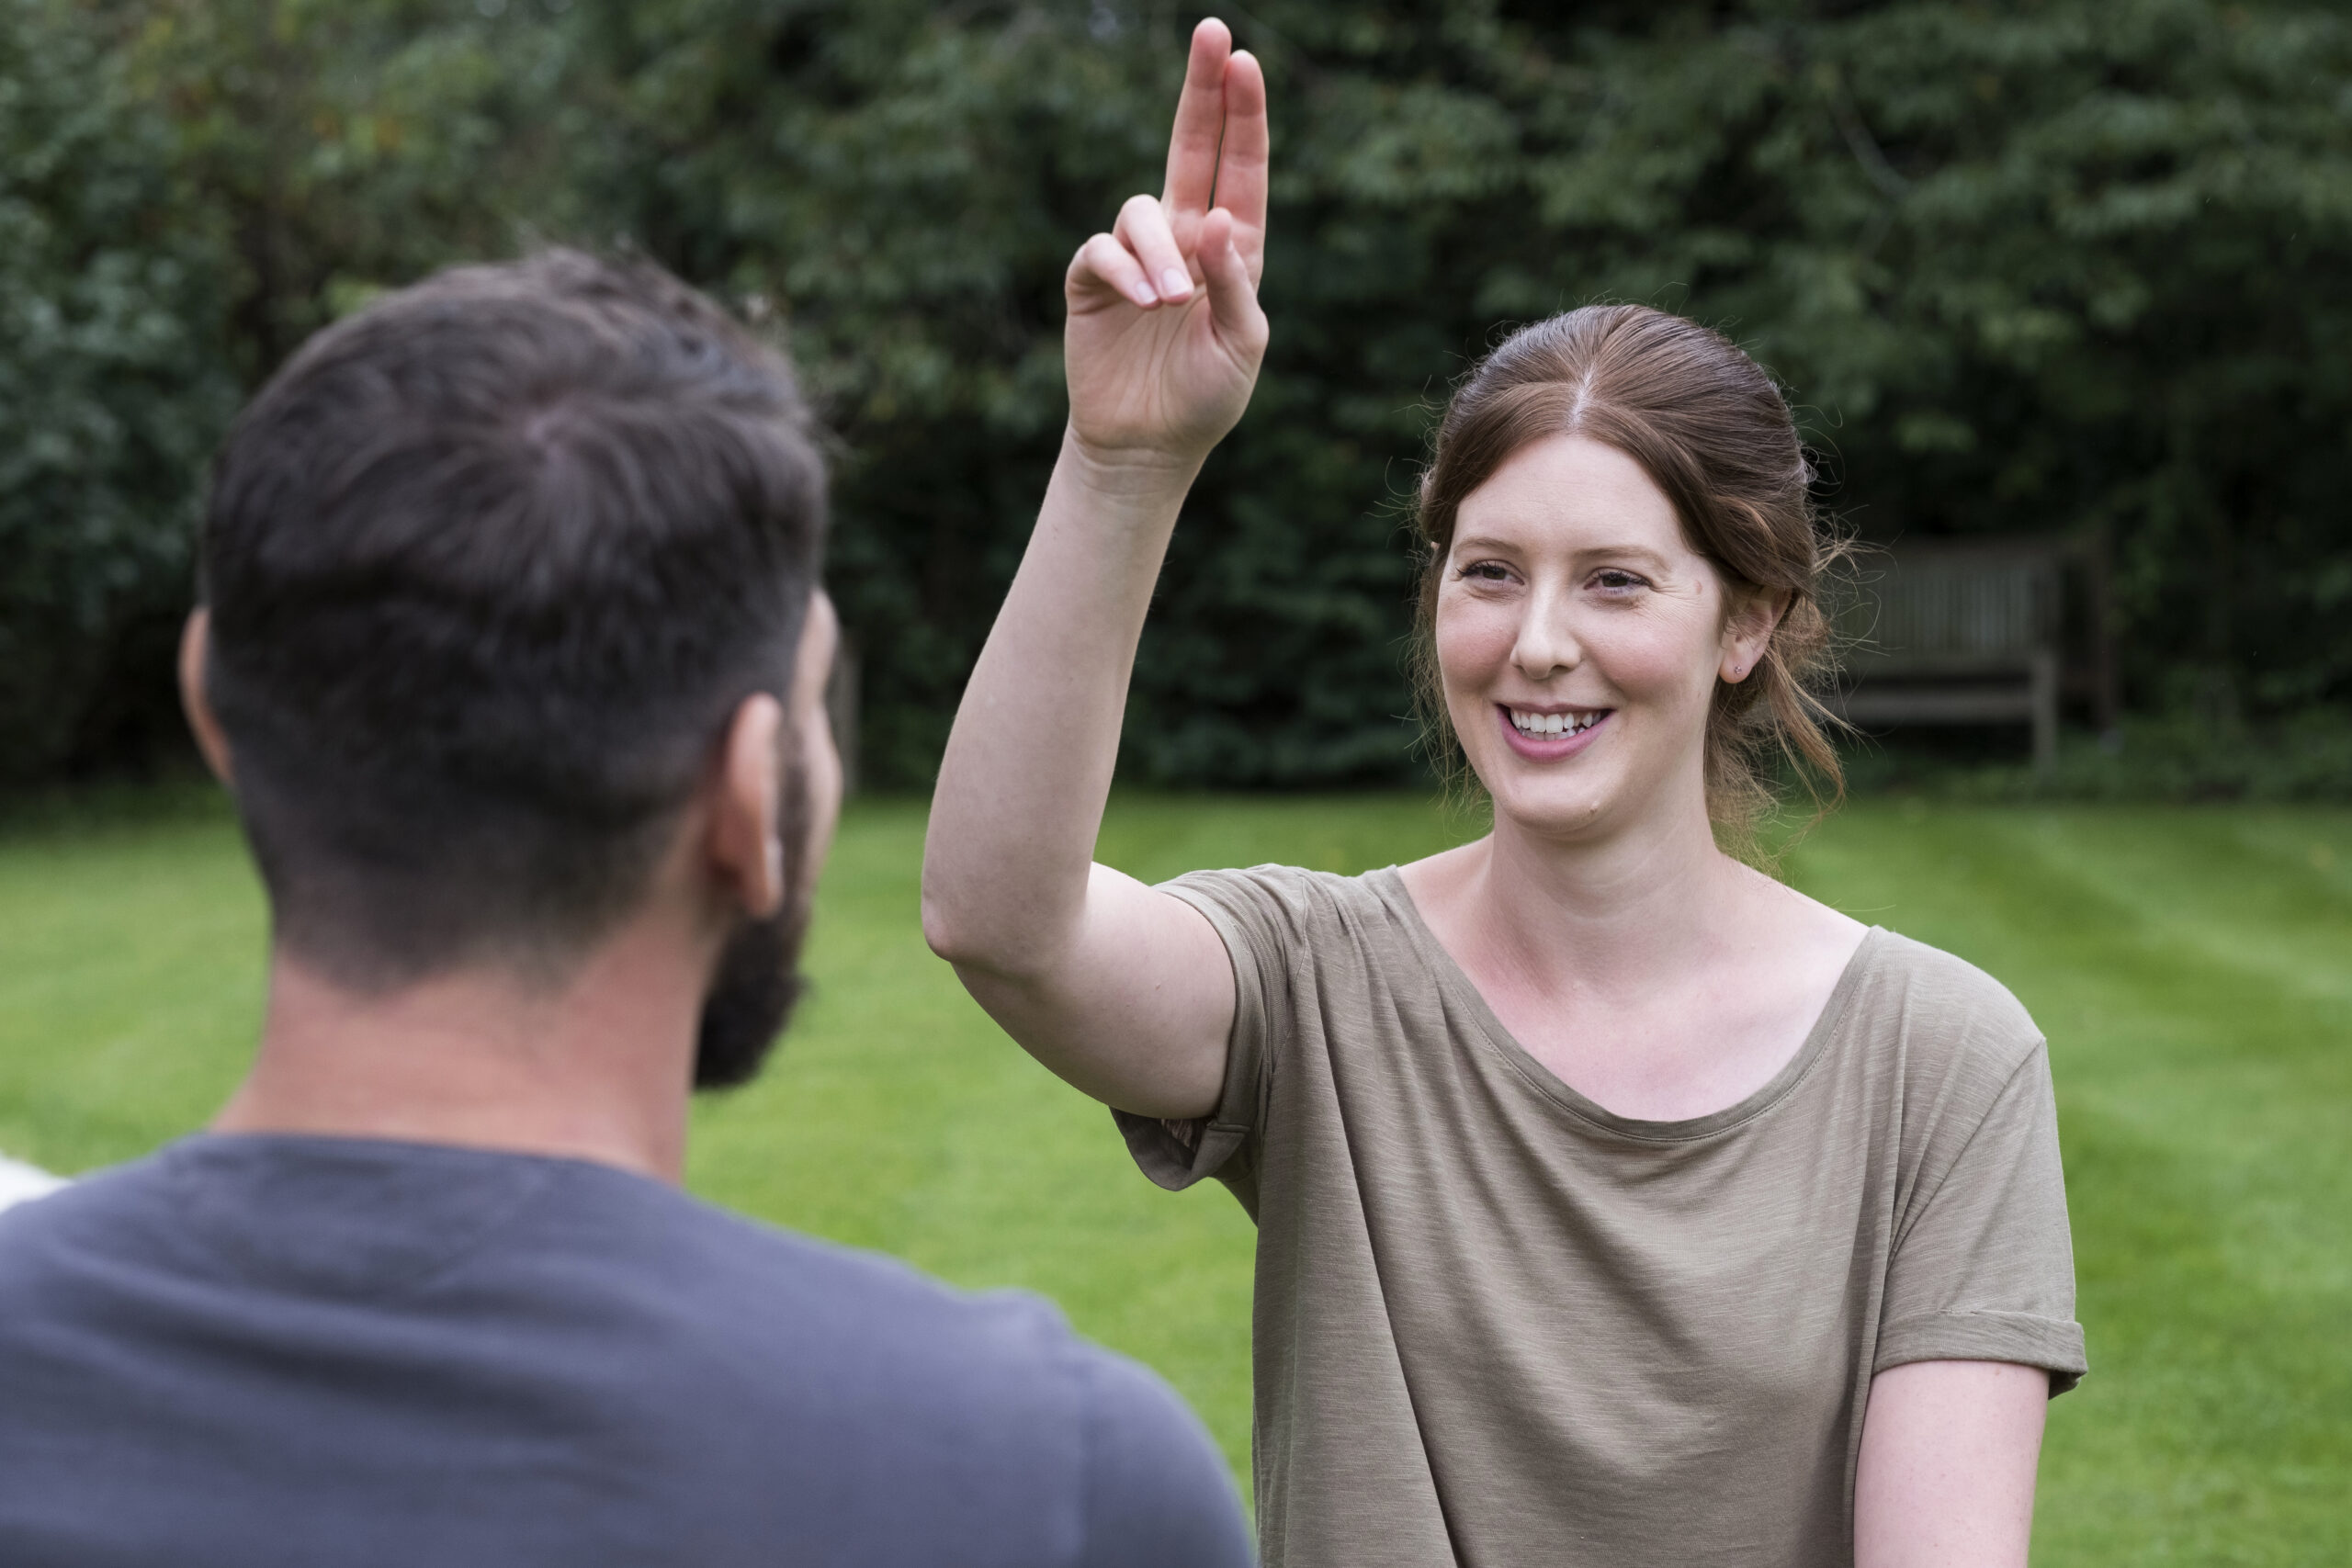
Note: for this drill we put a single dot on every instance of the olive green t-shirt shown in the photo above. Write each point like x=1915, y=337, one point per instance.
x=1497, y=1326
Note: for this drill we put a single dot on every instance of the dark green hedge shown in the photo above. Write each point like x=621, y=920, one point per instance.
x=112, y=388
x=2057, y=267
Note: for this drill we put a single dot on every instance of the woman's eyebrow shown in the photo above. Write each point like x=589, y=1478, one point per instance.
x=1640, y=555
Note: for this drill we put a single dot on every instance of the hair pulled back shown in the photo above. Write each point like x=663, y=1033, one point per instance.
x=1713, y=433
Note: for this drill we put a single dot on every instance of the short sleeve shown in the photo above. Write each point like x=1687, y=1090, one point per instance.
x=1254, y=921
x=1985, y=1268
x=1157, y=1493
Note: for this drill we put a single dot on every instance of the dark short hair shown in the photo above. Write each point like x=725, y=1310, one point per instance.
x=490, y=566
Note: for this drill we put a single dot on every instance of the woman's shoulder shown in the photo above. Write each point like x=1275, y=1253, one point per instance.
x=1290, y=905
x=1945, y=1013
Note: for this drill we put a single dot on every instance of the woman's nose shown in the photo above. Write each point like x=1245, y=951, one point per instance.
x=1546, y=644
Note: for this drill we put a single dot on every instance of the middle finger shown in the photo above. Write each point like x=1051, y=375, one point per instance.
x=1200, y=121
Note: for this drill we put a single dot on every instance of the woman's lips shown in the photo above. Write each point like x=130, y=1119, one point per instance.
x=1549, y=748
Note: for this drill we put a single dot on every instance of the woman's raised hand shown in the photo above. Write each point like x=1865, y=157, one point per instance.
x=1165, y=334
x=1124, y=990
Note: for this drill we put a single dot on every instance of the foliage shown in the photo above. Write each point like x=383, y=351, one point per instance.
x=2045, y=266
x=189, y=188
x=345, y=146
x=111, y=383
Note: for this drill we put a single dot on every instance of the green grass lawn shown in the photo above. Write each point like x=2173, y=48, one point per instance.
x=2193, y=968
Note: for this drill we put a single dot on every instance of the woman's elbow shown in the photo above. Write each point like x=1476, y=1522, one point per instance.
x=947, y=931
x=970, y=938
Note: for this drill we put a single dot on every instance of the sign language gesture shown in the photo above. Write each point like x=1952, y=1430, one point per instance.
x=1165, y=334
x=1123, y=989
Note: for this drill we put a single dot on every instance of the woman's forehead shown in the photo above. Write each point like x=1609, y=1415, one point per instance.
x=1571, y=492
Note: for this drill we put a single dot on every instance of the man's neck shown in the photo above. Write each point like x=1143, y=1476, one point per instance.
x=597, y=1067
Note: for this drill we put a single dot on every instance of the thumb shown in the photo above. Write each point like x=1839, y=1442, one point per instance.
x=1233, y=300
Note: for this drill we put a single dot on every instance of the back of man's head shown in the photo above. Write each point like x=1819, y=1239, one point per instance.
x=488, y=565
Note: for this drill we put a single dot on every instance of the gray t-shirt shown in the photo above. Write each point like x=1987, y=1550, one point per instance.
x=1497, y=1325
x=260, y=1350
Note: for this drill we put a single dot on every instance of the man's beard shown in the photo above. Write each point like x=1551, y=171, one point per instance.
x=758, y=978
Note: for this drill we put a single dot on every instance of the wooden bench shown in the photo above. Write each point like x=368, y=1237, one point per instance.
x=1952, y=632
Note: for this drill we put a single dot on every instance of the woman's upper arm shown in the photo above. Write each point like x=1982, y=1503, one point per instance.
x=1136, y=1008
x=1947, y=1470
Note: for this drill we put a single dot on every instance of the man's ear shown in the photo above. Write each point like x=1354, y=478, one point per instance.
x=195, y=643
x=746, y=840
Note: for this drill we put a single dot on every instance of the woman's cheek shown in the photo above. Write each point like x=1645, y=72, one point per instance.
x=1474, y=643
x=1652, y=657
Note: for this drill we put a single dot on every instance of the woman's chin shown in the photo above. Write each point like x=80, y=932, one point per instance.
x=1551, y=801
x=1590, y=801
x=1562, y=815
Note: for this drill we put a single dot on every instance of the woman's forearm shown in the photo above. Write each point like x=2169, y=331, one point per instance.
x=1029, y=762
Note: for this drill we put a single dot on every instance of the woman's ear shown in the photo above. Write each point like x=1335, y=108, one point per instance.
x=1747, y=630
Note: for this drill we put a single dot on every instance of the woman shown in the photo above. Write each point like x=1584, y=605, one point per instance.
x=1616, y=1204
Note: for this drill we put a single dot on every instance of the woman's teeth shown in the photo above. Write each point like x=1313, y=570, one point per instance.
x=1543, y=725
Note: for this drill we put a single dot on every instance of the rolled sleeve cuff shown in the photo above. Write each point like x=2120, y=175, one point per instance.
x=2053, y=1344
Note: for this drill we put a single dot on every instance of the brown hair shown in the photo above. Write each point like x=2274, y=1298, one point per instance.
x=1713, y=433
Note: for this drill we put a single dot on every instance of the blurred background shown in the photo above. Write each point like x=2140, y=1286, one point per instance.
x=2061, y=291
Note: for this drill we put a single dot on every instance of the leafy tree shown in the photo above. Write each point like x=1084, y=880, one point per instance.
x=189, y=188
x=2040, y=266
x=2046, y=267
x=112, y=386
x=340, y=147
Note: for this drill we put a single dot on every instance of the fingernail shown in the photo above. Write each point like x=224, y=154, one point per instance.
x=1175, y=283
x=1143, y=294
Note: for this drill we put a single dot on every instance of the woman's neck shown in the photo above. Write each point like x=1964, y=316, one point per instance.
x=1647, y=970
x=1596, y=913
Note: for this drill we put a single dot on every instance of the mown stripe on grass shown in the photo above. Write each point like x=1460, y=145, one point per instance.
x=2190, y=983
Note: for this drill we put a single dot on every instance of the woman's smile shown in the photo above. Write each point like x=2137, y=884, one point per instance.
x=1546, y=735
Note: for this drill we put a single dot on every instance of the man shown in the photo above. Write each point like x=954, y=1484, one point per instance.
x=512, y=654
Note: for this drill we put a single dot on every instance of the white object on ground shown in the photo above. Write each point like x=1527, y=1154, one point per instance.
x=19, y=1182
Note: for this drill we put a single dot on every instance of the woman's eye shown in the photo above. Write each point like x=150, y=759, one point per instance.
x=1486, y=571
x=1614, y=581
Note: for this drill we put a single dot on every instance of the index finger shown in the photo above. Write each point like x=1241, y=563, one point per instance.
x=1200, y=122
x=1241, y=164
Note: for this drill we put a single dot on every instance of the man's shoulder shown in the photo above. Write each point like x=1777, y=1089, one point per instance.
x=911, y=1366
x=754, y=1381
x=112, y=1199
x=484, y=1234
x=773, y=1281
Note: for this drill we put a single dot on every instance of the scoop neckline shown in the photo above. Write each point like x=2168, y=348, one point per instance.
x=1457, y=983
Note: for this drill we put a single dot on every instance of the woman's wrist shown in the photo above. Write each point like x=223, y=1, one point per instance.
x=1127, y=475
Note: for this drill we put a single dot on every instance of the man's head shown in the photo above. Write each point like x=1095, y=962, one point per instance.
x=502, y=573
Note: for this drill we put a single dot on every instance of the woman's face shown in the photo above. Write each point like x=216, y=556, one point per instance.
x=1579, y=638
